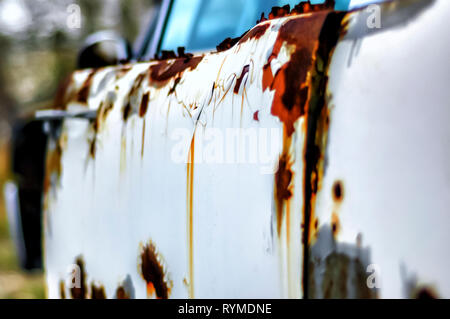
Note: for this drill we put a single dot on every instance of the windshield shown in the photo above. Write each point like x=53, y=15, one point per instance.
x=199, y=25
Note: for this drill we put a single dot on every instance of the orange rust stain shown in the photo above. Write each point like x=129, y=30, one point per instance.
x=143, y=139
x=150, y=289
x=189, y=201
x=292, y=81
x=129, y=108
x=97, y=292
x=153, y=272
x=335, y=224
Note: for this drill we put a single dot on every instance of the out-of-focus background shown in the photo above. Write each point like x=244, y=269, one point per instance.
x=38, y=48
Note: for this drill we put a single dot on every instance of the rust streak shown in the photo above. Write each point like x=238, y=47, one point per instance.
x=292, y=82
x=132, y=98
x=317, y=126
x=143, y=139
x=62, y=290
x=83, y=93
x=189, y=200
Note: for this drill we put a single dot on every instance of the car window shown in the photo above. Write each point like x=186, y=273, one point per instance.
x=202, y=24
x=199, y=25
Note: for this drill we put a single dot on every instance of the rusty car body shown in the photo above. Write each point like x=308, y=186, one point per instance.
x=307, y=158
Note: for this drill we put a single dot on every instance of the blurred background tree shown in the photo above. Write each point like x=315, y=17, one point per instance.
x=37, y=50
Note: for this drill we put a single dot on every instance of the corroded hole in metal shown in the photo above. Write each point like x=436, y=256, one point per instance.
x=338, y=191
x=153, y=272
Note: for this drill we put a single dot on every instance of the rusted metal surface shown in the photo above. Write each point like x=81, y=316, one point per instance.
x=299, y=223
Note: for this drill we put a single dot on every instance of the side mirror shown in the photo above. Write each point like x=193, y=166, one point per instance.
x=104, y=48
